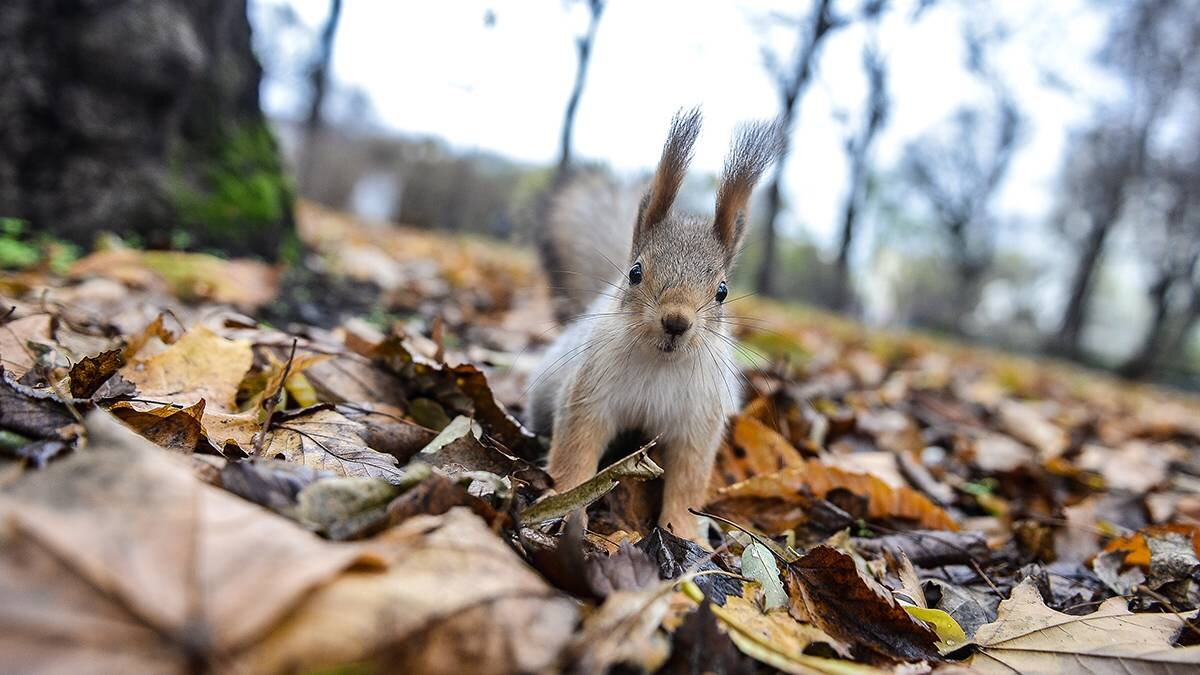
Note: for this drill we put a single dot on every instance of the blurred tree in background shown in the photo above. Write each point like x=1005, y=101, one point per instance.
x=139, y=117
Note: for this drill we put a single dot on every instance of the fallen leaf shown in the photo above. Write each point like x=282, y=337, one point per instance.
x=325, y=440
x=269, y=482
x=1137, y=552
x=172, y=427
x=419, y=610
x=92, y=371
x=200, y=365
x=778, y=502
x=754, y=449
x=758, y=563
x=118, y=558
x=836, y=597
x=1029, y=637
x=17, y=335
x=676, y=556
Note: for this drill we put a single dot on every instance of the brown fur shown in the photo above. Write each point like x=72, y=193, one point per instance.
x=672, y=167
x=754, y=149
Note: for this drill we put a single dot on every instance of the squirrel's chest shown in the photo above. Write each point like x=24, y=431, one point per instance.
x=661, y=398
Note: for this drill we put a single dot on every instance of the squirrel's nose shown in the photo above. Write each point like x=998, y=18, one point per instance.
x=676, y=324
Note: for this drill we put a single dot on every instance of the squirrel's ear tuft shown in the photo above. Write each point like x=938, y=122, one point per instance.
x=755, y=148
x=676, y=155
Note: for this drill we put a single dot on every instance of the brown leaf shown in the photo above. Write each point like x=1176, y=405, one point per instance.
x=119, y=559
x=755, y=449
x=856, y=610
x=325, y=440
x=170, y=426
x=1029, y=637
x=417, y=613
x=92, y=371
x=779, y=501
x=201, y=365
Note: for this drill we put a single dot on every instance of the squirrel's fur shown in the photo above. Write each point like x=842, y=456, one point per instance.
x=652, y=355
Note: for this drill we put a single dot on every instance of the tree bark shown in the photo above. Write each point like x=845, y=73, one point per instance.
x=112, y=110
x=584, y=46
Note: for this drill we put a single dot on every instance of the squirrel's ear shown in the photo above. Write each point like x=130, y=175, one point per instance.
x=676, y=155
x=755, y=148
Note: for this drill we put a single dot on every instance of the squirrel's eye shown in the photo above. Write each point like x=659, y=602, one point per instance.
x=722, y=292
x=635, y=273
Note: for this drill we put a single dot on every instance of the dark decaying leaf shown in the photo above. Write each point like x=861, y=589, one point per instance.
x=676, y=556
x=114, y=387
x=699, y=646
x=269, y=482
x=827, y=588
x=35, y=414
x=92, y=371
x=929, y=548
x=462, y=389
x=170, y=426
x=459, y=448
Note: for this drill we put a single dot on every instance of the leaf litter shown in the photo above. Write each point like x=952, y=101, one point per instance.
x=184, y=488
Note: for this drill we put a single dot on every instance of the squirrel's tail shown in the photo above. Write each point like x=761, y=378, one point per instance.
x=584, y=238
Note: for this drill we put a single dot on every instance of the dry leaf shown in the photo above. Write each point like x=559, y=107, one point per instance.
x=200, y=365
x=118, y=560
x=412, y=613
x=1029, y=637
x=836, y=597
x=779, y=501
x=170, y=426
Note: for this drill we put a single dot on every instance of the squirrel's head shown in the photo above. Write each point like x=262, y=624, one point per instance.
x=680, y=263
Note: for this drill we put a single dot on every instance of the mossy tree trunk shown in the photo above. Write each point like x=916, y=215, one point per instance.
x=139, y=117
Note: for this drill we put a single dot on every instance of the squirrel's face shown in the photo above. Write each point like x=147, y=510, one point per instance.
x=676, y=284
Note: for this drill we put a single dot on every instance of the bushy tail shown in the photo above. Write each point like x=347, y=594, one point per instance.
x=584, y=239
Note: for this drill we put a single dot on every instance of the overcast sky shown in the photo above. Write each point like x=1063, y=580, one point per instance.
x=438, y=68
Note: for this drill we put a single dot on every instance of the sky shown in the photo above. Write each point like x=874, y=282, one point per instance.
x=438, y=68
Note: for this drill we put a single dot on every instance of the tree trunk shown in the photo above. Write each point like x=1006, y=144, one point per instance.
x=1066, y=342
x=584, y=45
x=791, y=90
x=319, y=81
x=117, y=115
x=1147, y=357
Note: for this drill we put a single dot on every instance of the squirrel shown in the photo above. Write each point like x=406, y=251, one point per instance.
x=651, y=351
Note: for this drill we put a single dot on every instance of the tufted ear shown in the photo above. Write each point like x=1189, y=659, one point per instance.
x=755, y=148
x=676, y=155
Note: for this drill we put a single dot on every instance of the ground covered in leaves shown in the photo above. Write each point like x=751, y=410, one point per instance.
x=210, y=465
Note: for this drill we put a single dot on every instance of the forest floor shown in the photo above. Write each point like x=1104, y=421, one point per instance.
x=210, y=465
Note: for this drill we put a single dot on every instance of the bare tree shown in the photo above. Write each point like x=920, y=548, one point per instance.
x=858, y=148
x=1176, y=251
x=1152, y=46
x=956, y=170
x=583, y=45
x=1098, y=168
x=792, y=83
x=319, y=81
